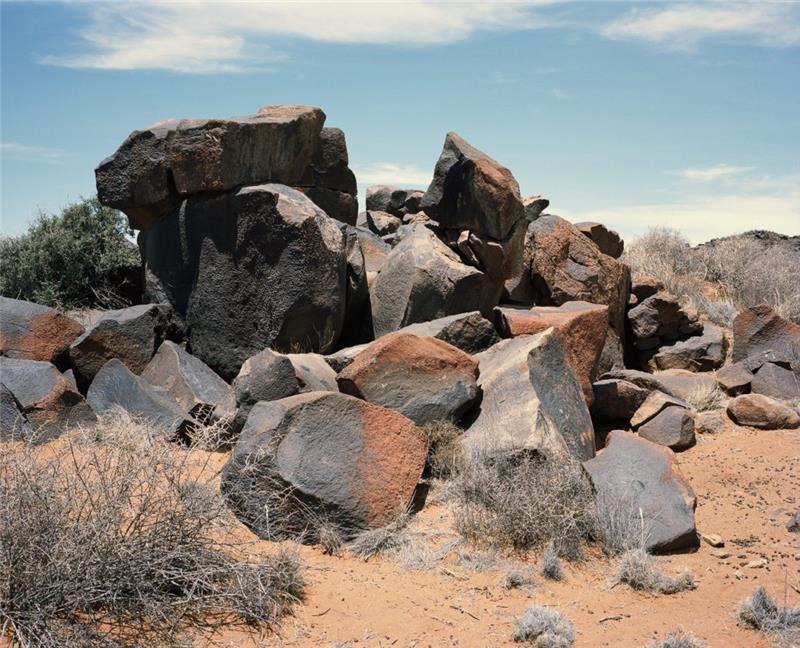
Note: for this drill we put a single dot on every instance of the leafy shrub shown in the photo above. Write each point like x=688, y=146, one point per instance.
x=75, y=259
x=678, y=639
x=761, y=612
x=638, y=569
x=544, y=628
x=111, y=528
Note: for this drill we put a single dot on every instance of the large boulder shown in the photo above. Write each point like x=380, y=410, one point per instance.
x=375, y=251
x=761, y=329
x=531, y=400
x=567, y=266
x=423, y=378
x=582, y=327
x=116, y=387
x=704, y=352
x=777, y=382
x=654, y=404
x=265, y=376
x=616, y=399
x=29, y=331
x=470, y=191
x=130, y=334
x=679, y=383
x=762, y=412
x=199, y=391
x=608, y=241
x=48, y=401
x=256, y=267
x=734, y=379
x=322, y=457
x=660, y=319
x=471, y=332
x=642, y=480
x=13, y=424
x=672, y=427
x=422, y=279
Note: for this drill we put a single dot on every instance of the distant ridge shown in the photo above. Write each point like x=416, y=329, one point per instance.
x=765, y=237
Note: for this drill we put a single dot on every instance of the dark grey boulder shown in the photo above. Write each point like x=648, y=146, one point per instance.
x=471, y=191
x=382, y=223
x=131, y=335
x=672, y=427
x=357, y=326
x=199, y=391
x=258, y=267
x=421, y=280
x=704, y=352
x=44, y=396
x=265, y=376
x=777, y=382
x=531, y=400
x=339, y=205
x=653, y=405
x=375, y=251
x=534, y=206
x=471, y=332
x=330, y=164
x=760, y=329
x=616, y=399
x=322, y=459
x=394, y=200
x=639, y=478
x=659, y=319
x=115, y=386
x=734, y=379
x=608, y=241
x=13, y=424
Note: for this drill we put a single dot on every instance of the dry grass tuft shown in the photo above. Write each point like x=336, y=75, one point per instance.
x=678, y=639
x=518, y=577
x=638, y=569
x=544, y=628
x=618, y=526
x=762, y=612
x=111, y=527
x=705, y=396
x=386, y=540
x=446, y=453
x=551, y=564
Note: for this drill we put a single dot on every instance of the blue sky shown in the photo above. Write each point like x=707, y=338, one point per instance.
x=634, y=114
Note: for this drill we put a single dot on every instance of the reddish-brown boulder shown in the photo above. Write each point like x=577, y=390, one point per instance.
x=607, y=240
x=423, y=378
x=757, y=411
x=29, y=331
x=581, y=326
x=734, y=379
x=760, y=329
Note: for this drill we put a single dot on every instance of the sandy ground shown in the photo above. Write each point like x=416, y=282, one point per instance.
x=746, y=483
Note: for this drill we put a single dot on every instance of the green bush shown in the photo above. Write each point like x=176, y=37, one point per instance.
x=76, y=259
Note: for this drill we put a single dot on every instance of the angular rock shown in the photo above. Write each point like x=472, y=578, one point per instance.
x=519, y=289
x=660, y=318
x=582, y=327
x=566, y=266
x=674, y=382
x=375, y=251
x=471, y=191
x=639, y=477
x=29, y=331
x=47, y=400
x=154, y=167
x=257, y=267
x=343, y=357
x=654, y=404
x=357, y=324
x=13, y=424
x=607, y=240
x=613, y=355
x=131, y=335
x=330, y=163
x=672, y=427
x=762, y=412
x=115, y=386
x=393, y=200
x=734, y=379
x=382, y=223
x=616, y=399
x=339, y=205
x=470, y=332
x=265, y=376
x=341, y=459
x=199, y=391
x=711, y=422
x=704, y=352
x=644, y=286
x=421, y=280
x=534, y=206
x=531, y=400
x=423, y=378
x=499, y=259
x=313, y=373
x=760, y=329
x=776, y=382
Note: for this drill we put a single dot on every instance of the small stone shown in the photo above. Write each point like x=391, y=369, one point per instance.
x=713, y=539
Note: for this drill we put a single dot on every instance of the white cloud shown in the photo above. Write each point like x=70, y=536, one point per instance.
x=683, y=26
x=201, y=37
x=27, y=153
x=399, y=175
x=711, y=174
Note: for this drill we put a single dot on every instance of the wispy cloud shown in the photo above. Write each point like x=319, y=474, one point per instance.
x=400, y=175
x=27, y=153
x=684, y=25
x=711, y=174
x=209, y=37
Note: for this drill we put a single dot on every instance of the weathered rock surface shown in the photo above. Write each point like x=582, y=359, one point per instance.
x=260, y=266
x=777, y=382
x=46, y=398
x=644, y=286
x=616, y=399
x=761, y=329
x=471, y=332
x=470, y=191
x=582, y=327
x=393, y=200
x=519, y=289
x=659, y=319
x=674, y=382
x=115, y=386
x=673, y=427
x=635, y=475
x=375, y=251
x=313, y=373
x=422, y=279
x=423, y=378
x=29, y=331
x=531, y=400
x=534, y=206
x=567, y=266
x=711, y=422
x=653, y=405
x=341, y=458
x=199, y=391
x=734, y=379
x=13, y=424
x=608, y=241
x=357, y=324
x=382, y=223
x=704, y=352
x=131, y=335
x=265, y=376
x=762, y=412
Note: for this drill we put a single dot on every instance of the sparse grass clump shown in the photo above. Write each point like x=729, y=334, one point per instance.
x=382, y=541
x=761, y=612
x=678, y=639
x=551, y=564
x=114, y=533
x=704, y=397
x=638, y=569
x=520, y=500
x=544, y=628
x=618, y=526
x=446, y=453
x=518, y=577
